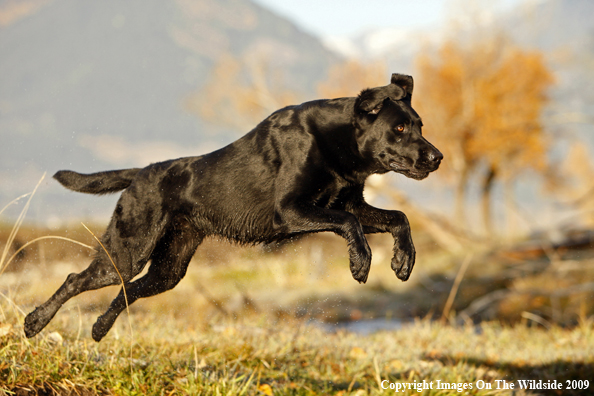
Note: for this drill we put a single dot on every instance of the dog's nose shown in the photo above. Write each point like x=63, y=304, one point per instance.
x=435, y=156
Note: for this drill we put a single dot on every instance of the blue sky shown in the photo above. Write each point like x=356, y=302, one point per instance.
x=350, y=17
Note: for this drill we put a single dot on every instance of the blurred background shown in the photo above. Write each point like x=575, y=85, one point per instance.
x=505, y=89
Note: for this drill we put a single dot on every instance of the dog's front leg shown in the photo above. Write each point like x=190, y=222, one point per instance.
x=395, y=222
x=296, y=219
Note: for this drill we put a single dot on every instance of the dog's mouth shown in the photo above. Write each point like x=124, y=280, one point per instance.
x=409, y=171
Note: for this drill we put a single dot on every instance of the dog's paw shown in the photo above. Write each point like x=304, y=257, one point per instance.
x=35, y=322
x=360, y=262
x=101, y=327
x=404, y=261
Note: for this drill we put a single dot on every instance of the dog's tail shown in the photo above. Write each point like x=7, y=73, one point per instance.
x=97, y=183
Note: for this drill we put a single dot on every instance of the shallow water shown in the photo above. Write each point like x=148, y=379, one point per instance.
x=365, y=326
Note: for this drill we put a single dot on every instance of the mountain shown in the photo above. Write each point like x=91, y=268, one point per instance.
x=552, y=24
x=397, y=46
x=564, y=30
x=95, y=85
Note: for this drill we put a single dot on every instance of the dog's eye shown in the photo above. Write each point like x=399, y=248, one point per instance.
x=400, y=128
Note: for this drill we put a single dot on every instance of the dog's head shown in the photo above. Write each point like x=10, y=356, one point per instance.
x=388, y=130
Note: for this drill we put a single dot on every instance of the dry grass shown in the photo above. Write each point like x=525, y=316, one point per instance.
x=257, y=354
x=243, y=321
x=233, y=329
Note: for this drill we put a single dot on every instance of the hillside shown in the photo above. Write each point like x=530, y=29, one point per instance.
x=97, y=85
x=564, y=29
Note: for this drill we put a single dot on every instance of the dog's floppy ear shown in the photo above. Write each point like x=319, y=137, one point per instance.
x=405, y=82
x=370, y=100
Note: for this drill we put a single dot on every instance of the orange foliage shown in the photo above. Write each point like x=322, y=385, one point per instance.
x=482, y=104
x=14, y=10
x=239, y=94
x=349, y=78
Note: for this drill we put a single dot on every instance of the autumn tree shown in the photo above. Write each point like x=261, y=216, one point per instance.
x=572, y=182
x=350, y=77
x=481, y=105
x=240, y=93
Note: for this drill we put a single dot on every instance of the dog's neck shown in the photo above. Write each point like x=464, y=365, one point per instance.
x=335, y=132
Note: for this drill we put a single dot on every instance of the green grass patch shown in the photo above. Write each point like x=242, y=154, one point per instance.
x=254, y=354
x=243, y=327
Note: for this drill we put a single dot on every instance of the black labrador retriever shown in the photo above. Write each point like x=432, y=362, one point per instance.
x=301, y=170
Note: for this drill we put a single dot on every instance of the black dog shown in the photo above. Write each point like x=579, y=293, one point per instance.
x=301, y=170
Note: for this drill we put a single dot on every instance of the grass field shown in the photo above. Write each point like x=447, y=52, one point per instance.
x=247, y=320
x=244, y=321
x=259, y=355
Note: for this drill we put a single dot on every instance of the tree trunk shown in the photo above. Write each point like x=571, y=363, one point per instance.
x=510, y=209
x=460, y=198
x=487, y=189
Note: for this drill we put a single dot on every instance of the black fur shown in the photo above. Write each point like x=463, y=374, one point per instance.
x=97, y=183
x=301, y=170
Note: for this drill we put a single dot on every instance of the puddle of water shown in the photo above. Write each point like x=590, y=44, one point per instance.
x=363, y=327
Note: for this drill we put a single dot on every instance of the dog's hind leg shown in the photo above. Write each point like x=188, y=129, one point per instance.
x=169, y=263
x=130, y=260
x=100, y=273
